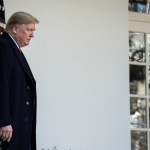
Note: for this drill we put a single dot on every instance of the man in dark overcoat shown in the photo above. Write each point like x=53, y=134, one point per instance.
x=17, y=85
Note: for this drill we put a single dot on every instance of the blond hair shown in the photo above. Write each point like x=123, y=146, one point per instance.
x=19, y=18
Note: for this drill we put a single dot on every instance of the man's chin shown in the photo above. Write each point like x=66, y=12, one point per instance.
x=27, y=44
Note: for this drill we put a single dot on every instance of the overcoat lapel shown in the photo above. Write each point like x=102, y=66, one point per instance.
x=24, y=64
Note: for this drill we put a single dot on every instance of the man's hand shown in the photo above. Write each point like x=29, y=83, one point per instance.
x=6, y=133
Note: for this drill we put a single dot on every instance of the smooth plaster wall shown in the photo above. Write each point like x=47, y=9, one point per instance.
x=79, y=57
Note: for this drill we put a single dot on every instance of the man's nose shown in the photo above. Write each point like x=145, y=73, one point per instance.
x=32, y=34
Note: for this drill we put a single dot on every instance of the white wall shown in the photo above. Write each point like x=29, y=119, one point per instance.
x=79, y=57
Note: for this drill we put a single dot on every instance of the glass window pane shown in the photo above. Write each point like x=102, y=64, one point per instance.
x=137, y=80
x=138, y=6
x=137, y=47
x=138, y=140
x=149, y=79
x=138, y=113
x=148, y=47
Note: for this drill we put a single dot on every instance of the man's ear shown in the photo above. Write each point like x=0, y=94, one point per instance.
x=14, y=29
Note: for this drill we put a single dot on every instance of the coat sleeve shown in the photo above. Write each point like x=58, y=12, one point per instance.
x=4, y=86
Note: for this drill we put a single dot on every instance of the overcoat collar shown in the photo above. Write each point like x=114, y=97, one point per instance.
x=20, y=56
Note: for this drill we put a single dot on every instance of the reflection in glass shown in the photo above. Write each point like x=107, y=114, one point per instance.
x=148, y=46
x=138, y=140
x=138, y=6
x=148, y=76
x=138, y=115
x=137, y=80
x=137, y=47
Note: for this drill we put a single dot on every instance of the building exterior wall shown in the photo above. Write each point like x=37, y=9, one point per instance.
x=79, y=57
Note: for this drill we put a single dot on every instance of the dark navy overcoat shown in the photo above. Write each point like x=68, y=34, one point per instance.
x=17, y=96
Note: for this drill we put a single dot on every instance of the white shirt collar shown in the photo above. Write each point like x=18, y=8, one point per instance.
x=13, y=40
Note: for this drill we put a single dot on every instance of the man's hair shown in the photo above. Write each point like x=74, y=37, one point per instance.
x=19, y=18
